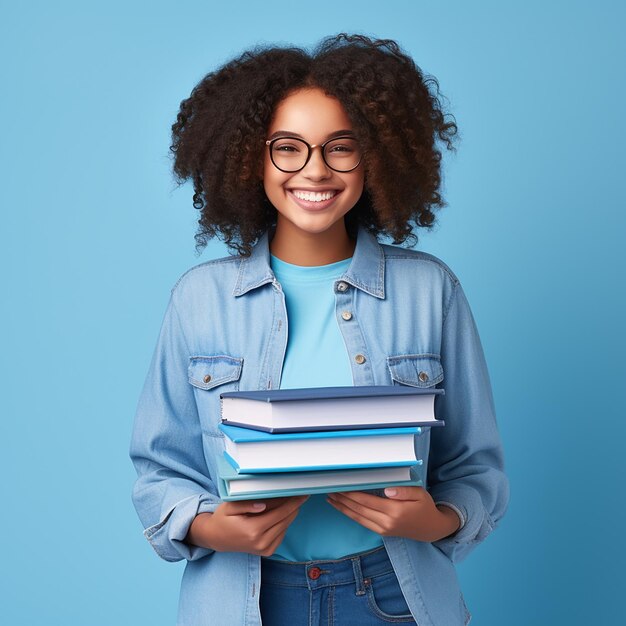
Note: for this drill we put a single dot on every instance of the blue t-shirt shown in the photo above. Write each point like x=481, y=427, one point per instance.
x=316, y=356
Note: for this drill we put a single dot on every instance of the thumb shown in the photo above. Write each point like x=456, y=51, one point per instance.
x=404, y=493
x=246, y=506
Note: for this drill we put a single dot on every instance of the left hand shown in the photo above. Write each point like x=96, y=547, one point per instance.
x=406, y=512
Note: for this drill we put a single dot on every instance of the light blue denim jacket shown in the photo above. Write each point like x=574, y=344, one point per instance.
x=225, y=328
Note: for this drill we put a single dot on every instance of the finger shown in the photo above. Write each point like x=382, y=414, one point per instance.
x=289, y=505
x=405, y=493
x=272, y=538
x=365, y=499
x=273, y=503
x=281, y=527
x=274, y=545
x=276, y=515
x=357, y=517
x=374, y=516
x=242, y=507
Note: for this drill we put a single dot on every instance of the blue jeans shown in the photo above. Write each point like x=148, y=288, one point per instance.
x=360, y=589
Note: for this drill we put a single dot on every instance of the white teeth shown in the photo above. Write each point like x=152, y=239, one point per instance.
x=312, y=196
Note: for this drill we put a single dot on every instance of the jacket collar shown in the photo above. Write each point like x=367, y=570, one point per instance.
x=366, y=271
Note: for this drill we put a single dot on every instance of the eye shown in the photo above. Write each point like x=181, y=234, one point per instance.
x=341, y=148
x=287, y=147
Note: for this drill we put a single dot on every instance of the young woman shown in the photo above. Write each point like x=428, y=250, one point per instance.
x=299, y=161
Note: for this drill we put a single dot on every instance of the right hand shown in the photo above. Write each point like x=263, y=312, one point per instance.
x=252, y=526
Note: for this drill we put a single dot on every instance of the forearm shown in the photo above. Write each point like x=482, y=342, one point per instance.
x=199, y=532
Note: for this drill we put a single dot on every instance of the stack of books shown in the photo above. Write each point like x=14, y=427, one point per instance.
x=321, y=440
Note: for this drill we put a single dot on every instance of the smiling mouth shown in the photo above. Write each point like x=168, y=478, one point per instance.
x=314, y=196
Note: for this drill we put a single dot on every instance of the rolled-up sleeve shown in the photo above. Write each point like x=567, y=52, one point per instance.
x=466, y=465
x=173, y=483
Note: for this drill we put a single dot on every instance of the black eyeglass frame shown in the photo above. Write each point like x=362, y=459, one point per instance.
x=271, y=142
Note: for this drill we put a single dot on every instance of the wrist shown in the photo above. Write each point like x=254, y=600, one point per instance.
x=199, y=531
x=450, y=521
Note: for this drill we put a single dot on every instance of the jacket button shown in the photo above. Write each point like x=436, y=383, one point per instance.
x=360, y=359
x=346, y=315
x=207, y=379
x=423, y=376
x=341, y=286
x=315, y=573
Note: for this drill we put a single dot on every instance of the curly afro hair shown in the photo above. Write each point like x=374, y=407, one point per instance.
x=218, y=139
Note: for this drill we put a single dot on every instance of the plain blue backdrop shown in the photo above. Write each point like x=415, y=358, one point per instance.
x=95, y=232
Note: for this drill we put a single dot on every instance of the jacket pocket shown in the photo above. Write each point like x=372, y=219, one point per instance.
x=416, y=370
x=211, y=376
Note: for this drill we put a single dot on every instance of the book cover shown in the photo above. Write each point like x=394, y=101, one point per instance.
x=321, y=393
x=330, y=408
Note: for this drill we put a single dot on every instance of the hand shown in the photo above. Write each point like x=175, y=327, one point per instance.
x=245, y=526
x=405, y=512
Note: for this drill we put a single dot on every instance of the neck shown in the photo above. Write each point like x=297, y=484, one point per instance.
x=298, y=247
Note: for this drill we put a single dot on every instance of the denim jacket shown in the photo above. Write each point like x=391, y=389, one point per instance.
x=225, y=329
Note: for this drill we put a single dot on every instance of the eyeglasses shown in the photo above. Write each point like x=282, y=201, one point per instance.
x=290, y=154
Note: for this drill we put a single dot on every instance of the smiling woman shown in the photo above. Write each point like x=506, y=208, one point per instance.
x=392, y=109
x=312, y=199
x=298, y=162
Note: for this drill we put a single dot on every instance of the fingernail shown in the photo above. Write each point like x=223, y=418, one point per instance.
x=391, y=492
x=259, y=506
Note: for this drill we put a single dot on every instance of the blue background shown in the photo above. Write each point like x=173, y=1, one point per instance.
x=94, y=234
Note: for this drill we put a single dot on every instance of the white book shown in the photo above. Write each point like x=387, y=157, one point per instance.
x=233, y=485
x=330, y=408
x=257, y=451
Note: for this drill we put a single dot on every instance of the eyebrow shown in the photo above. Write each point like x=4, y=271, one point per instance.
x=288, y=133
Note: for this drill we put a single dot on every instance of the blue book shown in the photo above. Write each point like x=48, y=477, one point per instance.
x=235, y=486
x=331, y=408
x=254, y=451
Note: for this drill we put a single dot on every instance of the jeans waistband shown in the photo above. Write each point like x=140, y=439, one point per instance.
x=315, y=574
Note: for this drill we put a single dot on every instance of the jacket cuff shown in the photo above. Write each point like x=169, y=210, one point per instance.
x=167, y=536
x=456, y=509
x=476, y=523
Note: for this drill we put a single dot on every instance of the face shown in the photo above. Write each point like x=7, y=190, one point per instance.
x=315, y=199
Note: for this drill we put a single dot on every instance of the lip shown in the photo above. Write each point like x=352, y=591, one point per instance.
x=314, y=189
x=309, y=205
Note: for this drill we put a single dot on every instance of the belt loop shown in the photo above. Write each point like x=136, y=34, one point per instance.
x=358, y=576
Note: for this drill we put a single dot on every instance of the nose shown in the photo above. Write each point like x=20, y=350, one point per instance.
x=316, y=168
